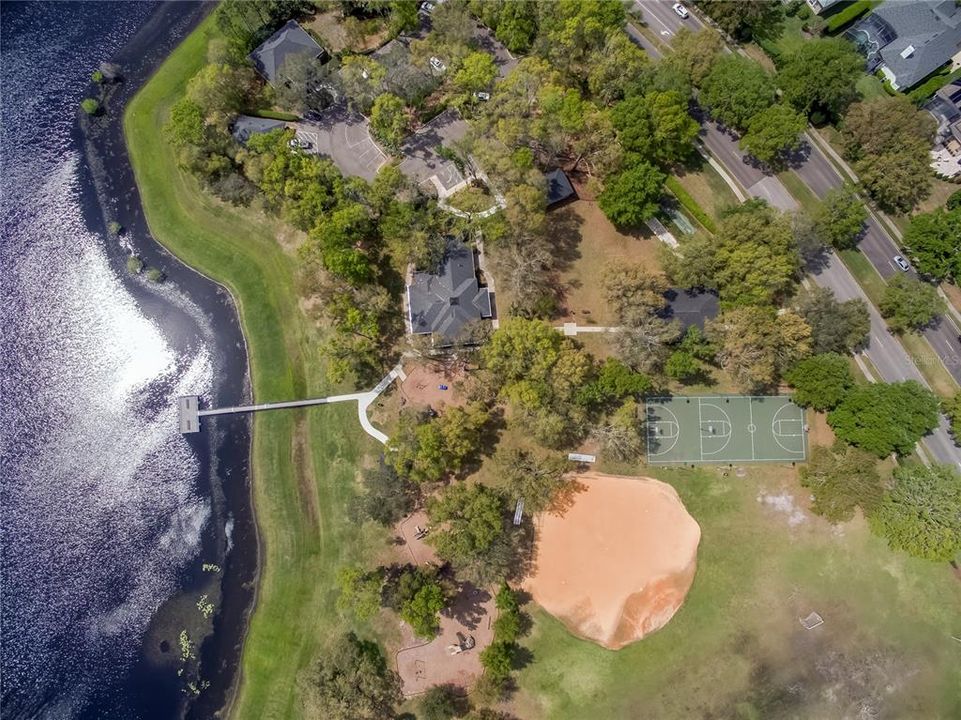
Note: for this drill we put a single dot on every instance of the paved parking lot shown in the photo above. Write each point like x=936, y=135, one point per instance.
x=421, y=161
x=343, y=136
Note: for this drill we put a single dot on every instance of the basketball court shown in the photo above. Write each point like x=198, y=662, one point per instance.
x=725, y=429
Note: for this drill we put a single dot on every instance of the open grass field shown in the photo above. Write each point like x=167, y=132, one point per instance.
x=303, y=462
x=736, y=649
x=708, y=189
x=587, y=242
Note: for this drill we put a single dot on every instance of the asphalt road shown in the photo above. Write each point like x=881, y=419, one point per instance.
x=883, y=350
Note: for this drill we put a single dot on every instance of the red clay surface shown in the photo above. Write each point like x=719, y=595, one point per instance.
x=422, y=387
x=618, y=563
x=423, y=665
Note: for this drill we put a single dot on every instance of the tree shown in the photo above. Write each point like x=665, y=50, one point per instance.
x=308, y=85
x=820, y=381
x=221, y=91
x=694, y=53
x=674, y=129
x=537, y=480
x=433, y=448
x=620, y=434
x=470, y=531
x=477, y=72
x=359, y=591
x=498, y=660
x=630, y=290
x=773, y=133
x=842, y=478
x=363, y=80
x=388, y=497
x=934, y=242
x=615, y=381
x=620, y=69
x=897, y=181
x=836, y=327
x=736, y=90
x=819, y=76
x=909, y=304
x=682, y=366
x=403, y=16
x=573, y=30
x=885, y=418
x=921, y=515
x=388, y=120
x=745, y=20
x=839, y=219
x=513, y=23
x=441, y=702
x=350, y=680
x=751, y=260
x=91, y=106
x=420, y=608
x=642, y=343
x=952, y=408
x=507, y=626
x=756, y=345
x=954, y=201
x=631, y=197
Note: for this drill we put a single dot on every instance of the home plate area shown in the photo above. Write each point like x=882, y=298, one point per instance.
x=725, y=429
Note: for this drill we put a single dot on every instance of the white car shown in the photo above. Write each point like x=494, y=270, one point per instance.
x=427, y=8
x=437, y=64
x=680, y=10
x=485, y=96
x=901, y=263
x=298, y=144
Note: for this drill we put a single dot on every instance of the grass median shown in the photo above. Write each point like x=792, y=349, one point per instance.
x=303, y=461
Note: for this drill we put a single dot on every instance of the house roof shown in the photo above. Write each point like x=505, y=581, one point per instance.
x=926, y=34
x=444, y=301
x=290, y=40
x=559, y=188
x=690, y=307
x=245, y=125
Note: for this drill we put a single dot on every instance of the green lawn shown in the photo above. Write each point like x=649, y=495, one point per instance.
x=736, y=648
x=303, y=462
x=869, y=87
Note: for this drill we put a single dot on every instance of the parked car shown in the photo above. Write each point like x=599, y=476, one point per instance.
x=901, y=263
x=437, y=64
x=427, y=7
x=485, y=96
x=680, y=10
x=298, y=144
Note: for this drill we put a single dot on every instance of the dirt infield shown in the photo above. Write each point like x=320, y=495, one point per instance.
x=618, y=564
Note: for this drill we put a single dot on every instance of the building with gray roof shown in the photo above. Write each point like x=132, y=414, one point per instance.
x=444, y=302
x=907, y=41
x=290, y=40
x=244, y=126
x=559, y=187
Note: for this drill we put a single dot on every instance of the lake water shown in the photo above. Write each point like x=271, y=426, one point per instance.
x=108, y=514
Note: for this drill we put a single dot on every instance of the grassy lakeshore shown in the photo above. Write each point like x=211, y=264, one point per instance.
x=303, y=462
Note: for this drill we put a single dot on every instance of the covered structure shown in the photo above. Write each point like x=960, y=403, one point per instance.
x=289, y=41
x=690, y=307
x=559, y=188
x=244, y=126
x=445, y=301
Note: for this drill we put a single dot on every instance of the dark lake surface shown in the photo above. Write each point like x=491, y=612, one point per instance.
x=109, y=515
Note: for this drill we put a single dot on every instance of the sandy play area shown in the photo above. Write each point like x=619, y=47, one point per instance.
x=618, y=564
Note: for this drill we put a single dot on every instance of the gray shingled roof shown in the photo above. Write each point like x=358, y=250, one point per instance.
x=690, y=307
x=928, y=34
x=559, y=188
x=290, y=40
x=445, y=301
x=245, y=125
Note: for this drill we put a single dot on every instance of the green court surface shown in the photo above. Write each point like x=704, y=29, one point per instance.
x=725, y=429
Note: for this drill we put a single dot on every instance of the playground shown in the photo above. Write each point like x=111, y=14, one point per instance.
x=725, y=429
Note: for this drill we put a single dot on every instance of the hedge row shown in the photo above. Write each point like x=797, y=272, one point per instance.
x=689, y=204
x=849, y=14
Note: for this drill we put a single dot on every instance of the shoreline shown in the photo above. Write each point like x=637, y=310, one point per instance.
x=225, y=457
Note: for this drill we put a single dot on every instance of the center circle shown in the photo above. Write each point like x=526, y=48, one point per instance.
x=752, y=428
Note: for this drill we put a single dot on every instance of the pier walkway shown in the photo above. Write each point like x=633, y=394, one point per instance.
x=190, y=412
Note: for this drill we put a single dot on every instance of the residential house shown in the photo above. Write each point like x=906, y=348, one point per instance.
x=907, y=41
x=690, y=307
x=287, y=42
x=444, y=302
x=819, y=6
x=945, y=106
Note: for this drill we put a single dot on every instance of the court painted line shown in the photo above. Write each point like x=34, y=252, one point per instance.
x=777, y=434
x=676, y=436
x=727, y=422
x=750, y=409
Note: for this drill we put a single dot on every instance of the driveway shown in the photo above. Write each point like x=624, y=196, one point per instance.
x=344, y=137
x=421, y=161
x=488, y=43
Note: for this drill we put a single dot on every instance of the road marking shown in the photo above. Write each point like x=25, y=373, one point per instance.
x=877, y=340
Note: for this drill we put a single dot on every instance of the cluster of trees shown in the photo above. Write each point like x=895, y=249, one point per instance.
x=429, y=449
x=499, y=658
x=934, y=242
x=909, y=304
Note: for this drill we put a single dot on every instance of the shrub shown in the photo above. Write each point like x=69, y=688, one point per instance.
x=690, y=204
x=134, y=265
x=90, y=106
x=155, y=275
x=97, y=77
x=848, y=15
x=114, y=228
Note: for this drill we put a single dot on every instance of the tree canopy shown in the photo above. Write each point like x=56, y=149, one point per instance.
x=820, y=381
x=538, y=480
x=819, y=76
x=836, y=327
x=934, y=242
x=885, y=418
x=842, y=478
x=736, y=89
x=745, y=20
x=910, y=304
x=350, y=680
x=631, y=197
x=774, y=133
x=839, y=220
x=429, y=450
x=921, y=515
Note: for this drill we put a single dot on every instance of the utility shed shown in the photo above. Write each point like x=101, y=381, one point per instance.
x=559, y=188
